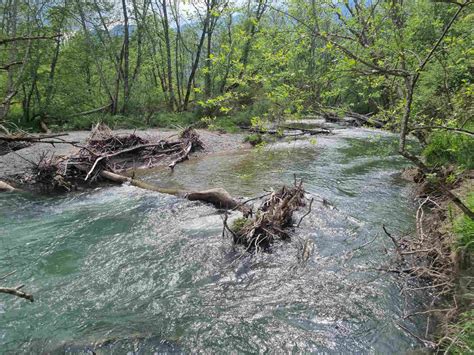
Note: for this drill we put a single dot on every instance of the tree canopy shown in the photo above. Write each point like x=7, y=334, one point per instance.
x=235, y=60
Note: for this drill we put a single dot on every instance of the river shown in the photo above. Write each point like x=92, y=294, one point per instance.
x=123, y=270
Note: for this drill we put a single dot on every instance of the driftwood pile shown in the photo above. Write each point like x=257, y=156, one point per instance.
x=105, y=151
x=272, y=219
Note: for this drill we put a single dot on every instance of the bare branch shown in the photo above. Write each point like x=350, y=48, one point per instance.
x=457, y=130
x=9, y=65
x=30, y=38
x=15, y=291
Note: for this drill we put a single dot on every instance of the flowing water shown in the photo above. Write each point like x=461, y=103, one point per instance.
x=119, y=269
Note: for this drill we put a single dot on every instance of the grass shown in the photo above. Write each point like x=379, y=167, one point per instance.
x=460, y=333
x=461, y=340
x=254, y=139
x=446, y=148
x=464, y=227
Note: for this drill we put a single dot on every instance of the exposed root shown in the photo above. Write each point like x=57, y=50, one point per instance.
x=429, y=259
x=271, y=221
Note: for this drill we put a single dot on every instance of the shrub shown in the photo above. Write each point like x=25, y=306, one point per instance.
x=464, y=227
x=450, y=148
x=254, y=139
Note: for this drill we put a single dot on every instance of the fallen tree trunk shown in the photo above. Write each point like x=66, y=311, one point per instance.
x=280, y=131
x=4, y=187
x=365, y=119
x=85, y=113
x=309, y=131
x=358, y=119
x=218, y=197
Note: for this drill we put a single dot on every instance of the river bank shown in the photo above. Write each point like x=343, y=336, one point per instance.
x=443, y=245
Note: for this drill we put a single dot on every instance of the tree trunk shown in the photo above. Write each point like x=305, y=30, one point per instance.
x=126, y=55
x=218, y=197
x=166, y=32
x=208, y=77
x=195, y=63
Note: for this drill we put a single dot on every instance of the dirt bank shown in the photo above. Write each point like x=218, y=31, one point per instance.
x=444, y=259
x=15, y=164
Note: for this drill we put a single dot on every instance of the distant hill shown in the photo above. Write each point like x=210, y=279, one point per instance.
x=118, y=30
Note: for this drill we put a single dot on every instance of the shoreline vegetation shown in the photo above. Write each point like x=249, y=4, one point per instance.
x=440, y=255
x=224, y=66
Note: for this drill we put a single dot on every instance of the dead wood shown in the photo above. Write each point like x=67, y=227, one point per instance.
x=105, y=155
x=307, y=130
x=182, y=156
x=85, y=113
x=16, y=291
x=106, y=151
x=12, y=142
x=428, y=257
x=31, y=138
x=356, y=119
x=271, y=220
x=45, y=127
x=218, y=197
x=365, y=119
x=280, y=131
x=4, y=187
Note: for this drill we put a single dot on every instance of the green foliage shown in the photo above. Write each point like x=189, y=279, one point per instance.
x=172, y=120
x=270, y=65
x=238, y=224
x=462, y=335
x=450, y=148
x=464, y=227
x=254, y=139
x=221, y=124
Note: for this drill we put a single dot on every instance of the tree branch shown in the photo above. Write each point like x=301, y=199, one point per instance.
x=18, y=39
x=16, y=292
x=9, y=65
x=458, y=130
x=438, y=42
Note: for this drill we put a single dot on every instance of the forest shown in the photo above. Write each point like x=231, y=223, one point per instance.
x=395, y=75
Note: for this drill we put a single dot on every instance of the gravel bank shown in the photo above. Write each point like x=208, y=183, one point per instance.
x=16, y=163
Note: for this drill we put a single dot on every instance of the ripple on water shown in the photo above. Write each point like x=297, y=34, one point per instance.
x=119, y=269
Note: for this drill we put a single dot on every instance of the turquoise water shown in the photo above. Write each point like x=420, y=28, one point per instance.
x=119, y=269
